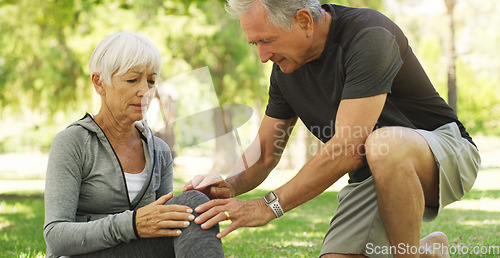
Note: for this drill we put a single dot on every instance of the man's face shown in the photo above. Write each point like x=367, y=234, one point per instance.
x=289, y=50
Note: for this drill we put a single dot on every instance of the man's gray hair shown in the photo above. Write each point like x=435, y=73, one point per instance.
x=281, y=13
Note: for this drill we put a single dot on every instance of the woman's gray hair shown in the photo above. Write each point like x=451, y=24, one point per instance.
x=281, y=13
x=120, y=52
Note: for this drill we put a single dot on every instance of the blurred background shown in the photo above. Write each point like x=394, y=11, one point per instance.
x=45, y=46
x=44, y=82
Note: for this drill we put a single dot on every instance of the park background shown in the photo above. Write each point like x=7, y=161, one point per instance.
x=44, y=86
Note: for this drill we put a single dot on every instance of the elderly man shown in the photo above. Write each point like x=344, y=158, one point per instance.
x=351, y=77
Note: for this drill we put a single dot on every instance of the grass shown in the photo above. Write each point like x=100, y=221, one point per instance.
x=298, y=234
x=21, y=225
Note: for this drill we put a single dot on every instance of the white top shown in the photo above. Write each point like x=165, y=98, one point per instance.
x=135, y=182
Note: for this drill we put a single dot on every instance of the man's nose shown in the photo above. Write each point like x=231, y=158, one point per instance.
x=264, y=54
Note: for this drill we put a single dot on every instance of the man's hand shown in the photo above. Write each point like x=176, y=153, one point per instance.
x=253, y=213
x=159, y=220
x=212, y=185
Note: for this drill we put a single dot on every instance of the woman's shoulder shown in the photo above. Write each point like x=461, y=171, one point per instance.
x=160, y=144
x=76, y=133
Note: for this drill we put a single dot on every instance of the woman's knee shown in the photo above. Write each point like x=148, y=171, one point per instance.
x=191, y=199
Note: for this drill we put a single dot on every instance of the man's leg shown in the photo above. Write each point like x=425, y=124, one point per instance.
x=406, y=180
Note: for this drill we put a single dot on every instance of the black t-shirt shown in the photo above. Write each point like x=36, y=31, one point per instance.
x=366, y=54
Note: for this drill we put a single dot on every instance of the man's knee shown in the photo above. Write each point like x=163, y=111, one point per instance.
x=191, y=199
x=387, y=150
x=385, y=144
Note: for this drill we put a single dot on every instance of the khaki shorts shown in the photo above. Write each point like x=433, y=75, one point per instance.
x=357, y=226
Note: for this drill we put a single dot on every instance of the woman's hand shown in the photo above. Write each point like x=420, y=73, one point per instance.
x=212, y=185
x=253, y=213
x=159, y=220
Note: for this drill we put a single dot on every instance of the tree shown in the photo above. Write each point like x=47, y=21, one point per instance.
x=451, y=55
x=40, y=71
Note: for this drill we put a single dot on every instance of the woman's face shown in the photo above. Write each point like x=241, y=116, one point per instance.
x=129, y=95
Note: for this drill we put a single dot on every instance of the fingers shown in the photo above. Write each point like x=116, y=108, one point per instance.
x=206, y=181
x=162, y=200
x=206, y=206
x=162, y=225
x=170, y=208
x=181, y=222
x=211, y=218
x=157, y=220
x=232, y=227
x=188, y=187
x=252, y=213
x=200, y=182
x=215, y=212
x=211, y=213
x=197, y=180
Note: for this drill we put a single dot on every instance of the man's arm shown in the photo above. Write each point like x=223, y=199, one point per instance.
x=257, y=162
x=343, y=153
x=262, y=155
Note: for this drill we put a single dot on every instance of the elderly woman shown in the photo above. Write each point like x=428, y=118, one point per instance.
x=109, y=180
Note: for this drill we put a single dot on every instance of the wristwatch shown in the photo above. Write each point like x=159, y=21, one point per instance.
x=272, y=201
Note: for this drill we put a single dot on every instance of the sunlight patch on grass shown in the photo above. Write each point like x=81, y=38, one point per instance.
x=476, y=223
x=483, y=204
x=4, y=224
x=18, y=207
x=10, y=209
x=310, y=234
x=298, y=243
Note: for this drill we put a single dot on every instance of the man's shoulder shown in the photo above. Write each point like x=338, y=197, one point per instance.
x=364, y=16
x=350, y=21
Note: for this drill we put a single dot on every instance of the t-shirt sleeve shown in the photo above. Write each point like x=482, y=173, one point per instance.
x=372, y=63
x=277, y=106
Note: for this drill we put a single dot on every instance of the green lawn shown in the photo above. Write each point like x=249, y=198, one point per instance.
x=298, y=234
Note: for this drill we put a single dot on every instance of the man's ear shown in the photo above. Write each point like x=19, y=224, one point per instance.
x=304, y=19
x=98, y=85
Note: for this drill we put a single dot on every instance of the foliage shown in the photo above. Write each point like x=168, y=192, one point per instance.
x=477, y=77
x=46, y=44
x=37, y=67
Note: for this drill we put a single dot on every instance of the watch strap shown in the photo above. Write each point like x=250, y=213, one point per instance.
x=274, y=204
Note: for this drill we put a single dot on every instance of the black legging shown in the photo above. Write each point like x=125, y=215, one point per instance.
x=193, y=242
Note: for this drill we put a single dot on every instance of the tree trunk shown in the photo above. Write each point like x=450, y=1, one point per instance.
x=451, y=56
x=226, y=150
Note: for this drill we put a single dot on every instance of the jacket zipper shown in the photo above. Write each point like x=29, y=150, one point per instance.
x=118, y=160
x=152, y=167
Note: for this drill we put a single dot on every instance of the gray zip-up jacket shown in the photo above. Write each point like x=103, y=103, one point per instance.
x=87, y=206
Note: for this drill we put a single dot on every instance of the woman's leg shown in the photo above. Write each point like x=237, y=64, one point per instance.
x=194, y=241
x=144, y=247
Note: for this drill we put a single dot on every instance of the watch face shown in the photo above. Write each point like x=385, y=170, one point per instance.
x=271, y=196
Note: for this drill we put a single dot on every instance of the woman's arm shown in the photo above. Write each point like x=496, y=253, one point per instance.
x=63, y=235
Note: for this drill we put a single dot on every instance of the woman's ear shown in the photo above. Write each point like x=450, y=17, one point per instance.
x=98, y=85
